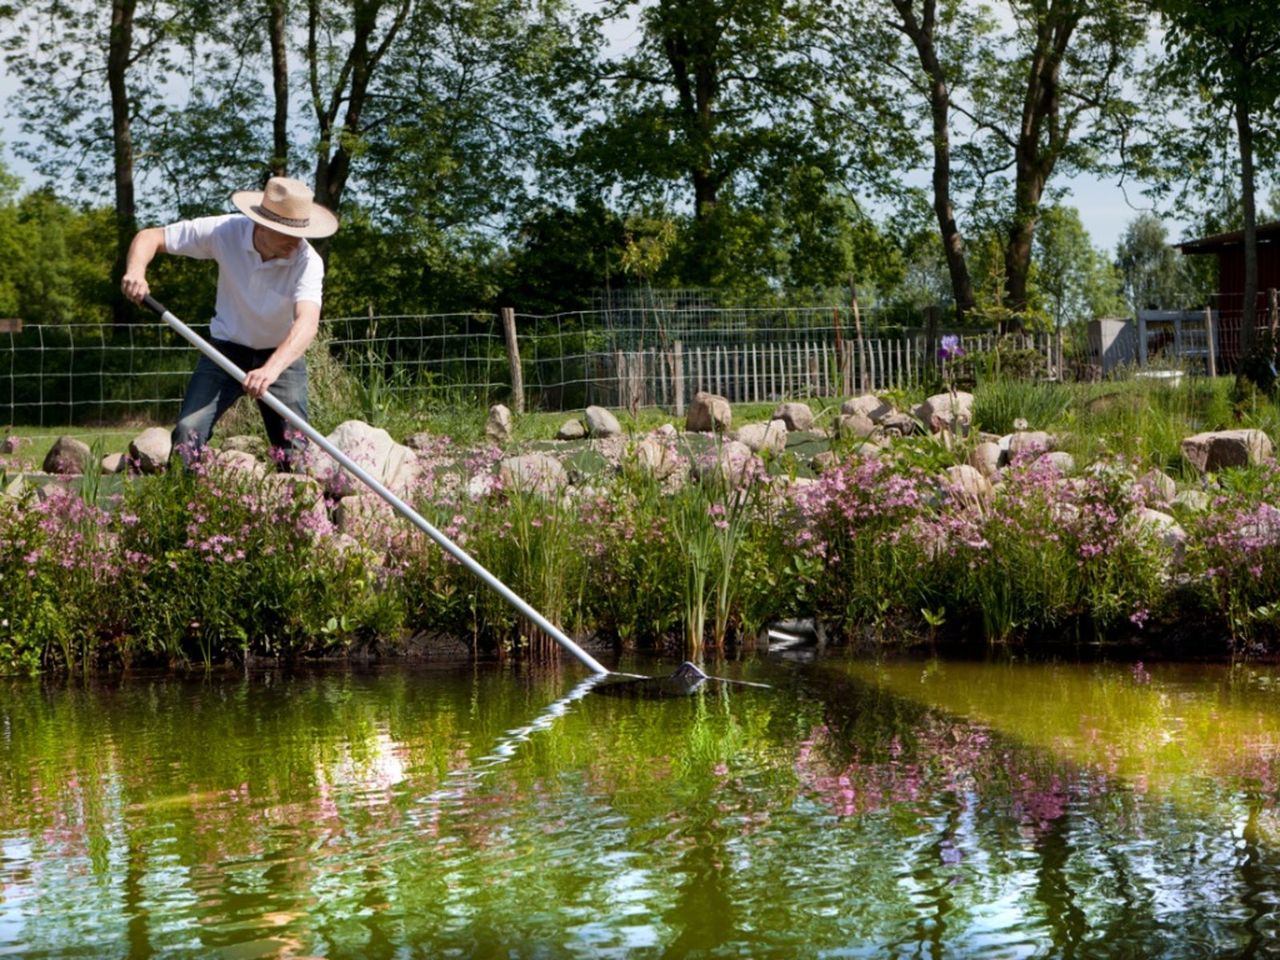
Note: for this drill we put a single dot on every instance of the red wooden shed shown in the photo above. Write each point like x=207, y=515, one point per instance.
x=1229, y=300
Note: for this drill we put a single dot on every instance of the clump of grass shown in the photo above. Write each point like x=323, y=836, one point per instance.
x=999, y=402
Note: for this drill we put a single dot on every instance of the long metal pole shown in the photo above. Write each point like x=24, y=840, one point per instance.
x=406, y=511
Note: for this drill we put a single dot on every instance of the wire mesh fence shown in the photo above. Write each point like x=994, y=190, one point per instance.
x=642, y=355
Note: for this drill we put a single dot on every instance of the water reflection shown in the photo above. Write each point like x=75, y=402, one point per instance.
x=896, y=809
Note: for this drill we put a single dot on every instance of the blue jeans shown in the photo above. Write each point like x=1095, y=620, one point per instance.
x=211, y=392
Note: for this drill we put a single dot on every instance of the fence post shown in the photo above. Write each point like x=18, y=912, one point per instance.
x=677, y=377
x=1210, y=352
x=513, y=357
x=932, y=316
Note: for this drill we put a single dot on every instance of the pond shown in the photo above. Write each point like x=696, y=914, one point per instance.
x=857, y=809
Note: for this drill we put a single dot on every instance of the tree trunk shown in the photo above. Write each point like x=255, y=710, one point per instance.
x=697, y=86
x=119, y=49
x=1040, y=139
x=921, y=34
x=276, y=12
x=333, y=162
x=1248, y=313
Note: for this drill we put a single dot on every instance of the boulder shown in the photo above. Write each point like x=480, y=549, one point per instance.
x=68, y=456
x=538, y=473
x=151, y=448
x=498, y=426
x=114, y=463
x=1062, y=461
x=571, y=430
x=258, y=446
x=824, y=460
x=733, y=463
x=1212, y=451
x=771, y=436
x=899, y=425
x=240, y=460
x=969, y=482
x=1029, y=441
x=1196, y=501
x=1158, y=486
x=1162, y=527
x=602, y=423
x=794, y=415
x=392, y=464
x=986, y=458
x=855, y=425
x=657, y=455
x=868, y=405
x=709, y=413
x=948, y=411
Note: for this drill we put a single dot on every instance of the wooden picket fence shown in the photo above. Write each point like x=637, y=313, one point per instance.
x=770, y=372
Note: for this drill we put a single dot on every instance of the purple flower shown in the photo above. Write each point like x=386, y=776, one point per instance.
x=950, y=348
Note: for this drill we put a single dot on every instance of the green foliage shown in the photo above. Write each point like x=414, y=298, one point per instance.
x=999, y=401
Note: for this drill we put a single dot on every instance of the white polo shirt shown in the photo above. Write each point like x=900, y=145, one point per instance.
x=255, y=299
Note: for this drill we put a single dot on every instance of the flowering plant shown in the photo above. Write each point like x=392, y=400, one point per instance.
x=950, y=348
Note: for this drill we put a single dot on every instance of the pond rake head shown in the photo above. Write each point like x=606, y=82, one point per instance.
x=685, y=674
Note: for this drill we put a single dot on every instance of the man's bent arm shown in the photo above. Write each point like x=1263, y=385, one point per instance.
x=146, y=244
x=306, y=321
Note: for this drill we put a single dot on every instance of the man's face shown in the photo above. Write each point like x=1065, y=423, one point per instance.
x=271, y=244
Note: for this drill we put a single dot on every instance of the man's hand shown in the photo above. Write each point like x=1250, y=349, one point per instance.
x=135, y=287
x=257, y=382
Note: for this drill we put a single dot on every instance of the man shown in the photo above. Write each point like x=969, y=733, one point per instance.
x=267, y=309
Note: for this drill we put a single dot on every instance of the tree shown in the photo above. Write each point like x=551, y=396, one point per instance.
x=1028, y=100
x=918, y=21
x=1076, y=280
x=346, y=42
x=1225, y=54
x=723, y=113
x=1154, y=274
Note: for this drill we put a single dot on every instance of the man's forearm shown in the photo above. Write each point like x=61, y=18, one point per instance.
x=146, y=244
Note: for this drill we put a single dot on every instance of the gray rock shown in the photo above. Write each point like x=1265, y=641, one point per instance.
x=538, y=473
x=241, y=460
x=1210, y=452
x=759, y=437
x=868, y=405
x=498, y=427
x=709, y=413
x=986, y=458
x=969, y=482
x=657, y=455
x=257, y=446
x=68, y=456
x=945, y=411
x=151, y=448
x=824, y=460
x=855, y=425
x=1164, y=528
x=1062, y=461
x=795, y=415
x=1158, y=486
x=900, y=425
x=390, y=463
x=1029, y=440
x=602, y=423
x=1196, y=501
x=571, y=430
x=114, y=463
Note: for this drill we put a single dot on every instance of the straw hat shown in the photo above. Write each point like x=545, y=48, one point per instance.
x=286, y=206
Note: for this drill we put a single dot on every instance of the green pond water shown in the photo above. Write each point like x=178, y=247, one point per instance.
x=856, y=809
